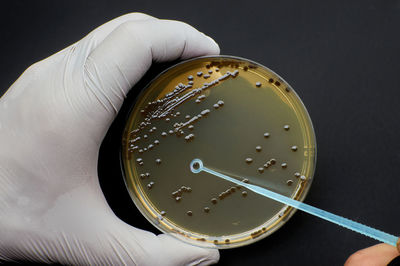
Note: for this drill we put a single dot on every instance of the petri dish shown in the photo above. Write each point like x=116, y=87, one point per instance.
x=241, y=119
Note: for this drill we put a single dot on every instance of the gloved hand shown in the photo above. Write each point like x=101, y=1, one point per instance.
x=52, y=122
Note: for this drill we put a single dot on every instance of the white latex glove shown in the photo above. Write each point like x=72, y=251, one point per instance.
x=52, y=122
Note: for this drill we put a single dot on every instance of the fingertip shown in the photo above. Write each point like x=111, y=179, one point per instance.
x=186, y=254
x=214, y=46
x=380, y=254
x=205, y=45
x=212, y=258
x=196, y=43
x=136, y=16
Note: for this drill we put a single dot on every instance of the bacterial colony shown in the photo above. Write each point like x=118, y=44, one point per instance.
x=239, y=118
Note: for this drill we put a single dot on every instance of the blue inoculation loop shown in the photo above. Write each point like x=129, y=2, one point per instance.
x=196, y=166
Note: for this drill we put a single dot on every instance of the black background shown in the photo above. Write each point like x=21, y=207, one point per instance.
x=342, y=58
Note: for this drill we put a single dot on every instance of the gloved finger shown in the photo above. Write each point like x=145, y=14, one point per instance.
x=181, y=253
x=145, y=248
x=84, y=47
x=126, y=54
x=102, y=31
x=95, y=37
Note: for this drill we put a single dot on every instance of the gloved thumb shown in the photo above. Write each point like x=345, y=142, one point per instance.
x=181, y=253
x=135, y=246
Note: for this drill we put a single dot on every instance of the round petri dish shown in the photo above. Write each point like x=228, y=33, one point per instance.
x=241, y=119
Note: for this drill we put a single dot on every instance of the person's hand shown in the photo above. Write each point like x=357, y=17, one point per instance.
x=377, y=255
x=52, y=122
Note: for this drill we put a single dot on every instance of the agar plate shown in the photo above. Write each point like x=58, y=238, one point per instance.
x=241, y=119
